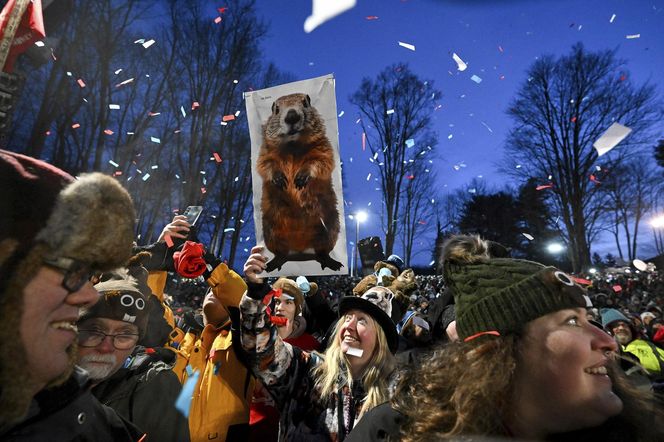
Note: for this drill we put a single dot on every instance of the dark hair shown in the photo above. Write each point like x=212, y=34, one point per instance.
x=463, y=389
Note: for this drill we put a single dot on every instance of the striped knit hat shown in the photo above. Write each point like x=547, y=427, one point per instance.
x=498, y=296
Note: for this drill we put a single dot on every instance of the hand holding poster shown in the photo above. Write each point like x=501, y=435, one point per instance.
x=298, y=210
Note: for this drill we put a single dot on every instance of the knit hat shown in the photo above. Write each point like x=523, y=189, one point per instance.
x=376, y=302
x=45, y=214
x=125, y=295
x=500, y=295
x=290, y=287
x=611, y=315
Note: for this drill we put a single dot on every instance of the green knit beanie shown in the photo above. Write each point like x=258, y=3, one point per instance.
x=500, y=295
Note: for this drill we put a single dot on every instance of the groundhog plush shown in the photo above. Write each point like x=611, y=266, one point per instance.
x=299, y=204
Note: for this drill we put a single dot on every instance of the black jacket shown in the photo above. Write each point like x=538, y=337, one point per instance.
x=144, y=392
x=70, y=412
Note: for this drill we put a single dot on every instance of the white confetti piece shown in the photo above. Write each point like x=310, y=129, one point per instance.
x=155, y=167
x=140, y=41
x=114, y=106
x=407, y=45
x=528, y=236
x=613, y=17
x=632, y=36
x=113, y=163
x=148, y=43
x=341, y=114
x=118, y=71
x=389, y=112
x=461, y=65
x=357, y=352
x=324, y=10
x=184, y=114
x=410, y=143
x=476, y=79
x=124, y=82
x=449, y=137
x=487, y=126
x=610, y=139
x=229, y=229
x=368, y=177
x=155, y=140
x=146, y=176
x=237, y=114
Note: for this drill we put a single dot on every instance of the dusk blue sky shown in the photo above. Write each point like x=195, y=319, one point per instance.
x=352, y=47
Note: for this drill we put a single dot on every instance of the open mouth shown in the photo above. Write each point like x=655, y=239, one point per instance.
x=350, y=339
x=65, y=325
x=596, y=370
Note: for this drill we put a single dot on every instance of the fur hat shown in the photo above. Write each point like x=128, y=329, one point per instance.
x=500, y=295
x=376, y=302
x=44, y=213
x=125, y=293
x=290, y=287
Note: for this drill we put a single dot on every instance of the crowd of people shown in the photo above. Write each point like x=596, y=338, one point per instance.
x=104, y=339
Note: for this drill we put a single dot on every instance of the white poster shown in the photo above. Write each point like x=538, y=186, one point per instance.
x=296, y=178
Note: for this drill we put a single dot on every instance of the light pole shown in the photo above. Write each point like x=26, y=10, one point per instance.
x=360, y=217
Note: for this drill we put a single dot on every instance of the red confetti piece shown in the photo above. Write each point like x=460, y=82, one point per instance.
x=117, y=173
x=573, y=120
x=582, y=281
x=594, y=179
x=623, y=77
x=410, y=177
x=203, y=190
x=371, y=17
x=421, y=222
x=544, y=186
x=195, y=105
x=217, y=157
x=168, y=240
x=80, y=82
x=217, y=20
x=617, y=288
x=108, y=132
x=75, y=126
x=222, y=9
x=230, y=117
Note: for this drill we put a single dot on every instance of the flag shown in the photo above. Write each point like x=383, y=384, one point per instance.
x=30, y=29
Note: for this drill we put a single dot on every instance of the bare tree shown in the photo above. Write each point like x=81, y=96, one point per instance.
x=563, y=107
x=395, y=110
x=419, y=209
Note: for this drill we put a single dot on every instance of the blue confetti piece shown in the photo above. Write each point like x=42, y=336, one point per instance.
x=183, y=402
x=410, y=143
x=476, y=79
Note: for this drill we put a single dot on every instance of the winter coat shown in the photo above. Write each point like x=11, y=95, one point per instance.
x=220, y=404
x=287, y=373
x=144, y=392
x=645, y=351
x=70, y=412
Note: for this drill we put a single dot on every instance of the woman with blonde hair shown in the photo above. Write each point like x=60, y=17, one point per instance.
x=528, y=364
x=321, y=397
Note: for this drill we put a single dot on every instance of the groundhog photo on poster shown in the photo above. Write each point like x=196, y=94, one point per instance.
x=299, y=203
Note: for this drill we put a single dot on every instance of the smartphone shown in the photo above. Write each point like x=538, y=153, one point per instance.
x=193, y=213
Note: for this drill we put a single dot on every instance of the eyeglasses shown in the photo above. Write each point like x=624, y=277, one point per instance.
x=76, y=273
x=92, y=338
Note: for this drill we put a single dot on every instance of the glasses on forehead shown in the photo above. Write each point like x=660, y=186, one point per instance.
x=92, y=338
x=76, y=274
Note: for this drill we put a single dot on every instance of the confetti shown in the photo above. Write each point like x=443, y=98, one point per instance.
x=153, y=114
x=368, y=177
x=118, y=71
x=108, y=132
x=528, y=236
x=124, y=82
x=195, y=105
x=632, y=36
x=357, y=352
x=228, y=117
x=595, y=180
x=237, y=114
x=140, y=41
x=114, y=106
x=617, y=288
x=461, y=65
x=487, y=126
x=148, y=43
x=39, y=44
x=154, y=167
x=229, y=229
x=183, y=402
x=217, y=158
x=613, y=17
x=184, y=114
x=500, y=48
x=610, y=139
x=222, y=9
x=155, y=140
x=168, y=240
x=217, y=20
x=371, y=17
x=341, y=114
x=146, y=176
x=389, y=112
x=476, y=79
x=81, y=82
x=449, y=137
x=364, y=141
x=324, y=10
x=544, y=186
x=75, y=126
x=113, y=163
x=410, y=143
x=407, y=45
x=203, y=190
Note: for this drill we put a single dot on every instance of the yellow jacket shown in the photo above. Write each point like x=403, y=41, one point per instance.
x=220, y=404
x=646, y=354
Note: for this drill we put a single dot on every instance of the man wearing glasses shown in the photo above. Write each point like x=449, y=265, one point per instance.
x=138, y=383
x=55, y=235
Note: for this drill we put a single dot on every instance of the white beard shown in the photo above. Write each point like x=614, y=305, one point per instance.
x=98, y=372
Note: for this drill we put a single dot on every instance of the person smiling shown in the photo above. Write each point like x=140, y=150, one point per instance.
x=528, y=364
x=321, y=397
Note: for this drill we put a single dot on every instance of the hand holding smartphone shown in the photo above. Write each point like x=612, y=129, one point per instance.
x=193, y=213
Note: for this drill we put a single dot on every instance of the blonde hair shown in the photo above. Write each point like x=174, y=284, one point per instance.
x=335, y=372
